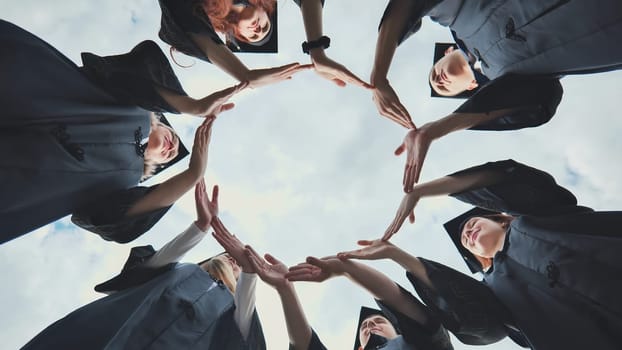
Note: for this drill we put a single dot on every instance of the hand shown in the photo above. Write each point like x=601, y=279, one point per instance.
x=216, y=102
x=316, y=270
x=266, y=76
x=206, y=209
x=335, y=71
x=416, y=143
x=405, y=210
x=270, y=270
x=373, y=250
x=231, y=244
x=202, y=137
x=389, y=105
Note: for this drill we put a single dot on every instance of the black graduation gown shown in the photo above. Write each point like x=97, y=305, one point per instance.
x=525, y=48
x=74, y=132
x=557, y=279
x=181, y=308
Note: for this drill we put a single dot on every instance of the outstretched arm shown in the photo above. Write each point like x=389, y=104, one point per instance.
x=172, y=189
x=372, y=280
x=385, y=98
x=324, y=66
x=273, y=272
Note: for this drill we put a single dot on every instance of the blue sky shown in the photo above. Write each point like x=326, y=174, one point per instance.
x=305, y=167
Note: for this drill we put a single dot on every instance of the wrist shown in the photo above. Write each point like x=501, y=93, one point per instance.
x=322, y=43
x=202, y=225
x=285, y=287
x=378, y=79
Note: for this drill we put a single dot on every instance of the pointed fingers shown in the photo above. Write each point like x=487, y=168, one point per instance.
x=411, y=217
x=215, y=191
x=364, y=242
x=400, y=149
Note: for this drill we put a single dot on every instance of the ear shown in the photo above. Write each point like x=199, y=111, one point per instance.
x=473, y=85
x=449, y=50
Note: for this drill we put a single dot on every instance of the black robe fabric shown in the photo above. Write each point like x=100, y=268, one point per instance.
x=75, y=132
x=556, y=283
x=525, y=49
x=182, y=308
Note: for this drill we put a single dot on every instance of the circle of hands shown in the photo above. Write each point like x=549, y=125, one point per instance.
x=272, y=271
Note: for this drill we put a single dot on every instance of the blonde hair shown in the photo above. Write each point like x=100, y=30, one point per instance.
x=220, y=270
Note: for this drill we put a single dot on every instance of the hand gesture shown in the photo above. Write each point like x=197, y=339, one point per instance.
x=266, y=76
x=270, y=270
x=316, y=270
x=216, y=102
x=416, y=143
x=405, y=210
x=206, y=209
x=373, y=250
x=336, y=72
x=389, y=105
x=202, y=137
x=231, y=244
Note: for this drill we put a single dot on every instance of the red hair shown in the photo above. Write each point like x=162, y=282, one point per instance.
x=225, y=20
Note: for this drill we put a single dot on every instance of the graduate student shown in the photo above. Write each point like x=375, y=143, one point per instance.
x=552, y=264
x=85, y=136
x=158, y=303
x=403, y=322
x=522, y=47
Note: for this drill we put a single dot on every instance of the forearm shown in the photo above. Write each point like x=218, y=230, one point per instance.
x=447, y=185
x=384, y=289
x=411, y=264
x=222, y=57
x=244, y=299
x=166, y=193
x=183, y=104
x=298, y=328
x=312, y=18
x=174, y=250
x=461, y=121
x=388, y=37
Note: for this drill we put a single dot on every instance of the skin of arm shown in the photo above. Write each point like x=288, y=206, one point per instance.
x=272, y=271
x=388, y=38
x=298, y=327
x=312, y=18
x=222, y=57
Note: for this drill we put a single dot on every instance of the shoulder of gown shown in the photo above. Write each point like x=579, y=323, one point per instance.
x=532, y=101
x=431, y=335
x=465, y=306
x=107, y=216
x=521, y=190
x=135, y=76
x=180, y=18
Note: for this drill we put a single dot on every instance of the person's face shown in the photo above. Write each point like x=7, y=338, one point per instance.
x=482, y=236
x=452, y=74
x=227, y=259
x=378, y=325
x=254, y=23
x=163, y=144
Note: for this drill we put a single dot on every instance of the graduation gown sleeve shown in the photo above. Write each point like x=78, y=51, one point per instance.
x=314, y=344
x=533, y=101
x=431, y=335
x=521, y=190
x=180, y=19
x=133, y=77
x=107, y=216
x=465, y=306
x=414, y=21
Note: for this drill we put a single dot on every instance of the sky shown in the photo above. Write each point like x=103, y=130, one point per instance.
x=305, y=167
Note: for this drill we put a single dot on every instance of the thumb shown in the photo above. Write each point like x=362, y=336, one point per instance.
x=316, y=262
x=411, y=217
x=365, y=242
x=339, y=82
x=399, y=150
x=272, y=260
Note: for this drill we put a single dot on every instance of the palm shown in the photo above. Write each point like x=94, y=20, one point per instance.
x=373, y=250
x=338, y=73
x=266, y=76
x=406, y=210
x=389, y=105
x=273, y=274
x=416, y=143
x=232, y=245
